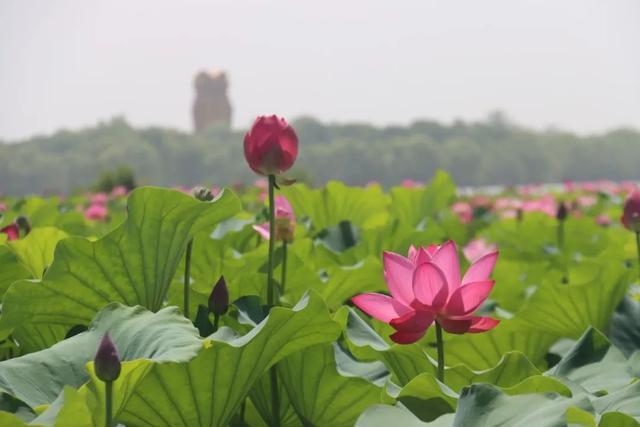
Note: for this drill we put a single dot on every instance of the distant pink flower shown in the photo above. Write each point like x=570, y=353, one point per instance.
x=426, y=287
x=96, y=212
x=285, y=221
x=507, y=203
x=478, y=248
x=604, y=220
x=587, y=201
x=464, y=211
x=99, y=199
x=261, y=184
x=12, y=231
x=509, y=214
x=410, y=183
x=546, y=204
x=631, y=214
x=119, y=191
x=3, y=207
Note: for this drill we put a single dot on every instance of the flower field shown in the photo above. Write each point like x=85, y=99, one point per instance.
x=277, y=304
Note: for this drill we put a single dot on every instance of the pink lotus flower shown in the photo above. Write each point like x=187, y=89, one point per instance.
x=478, y=248
x=12, y=231
x=271, y=146
x=285, y=221
x=410, y=183
x=119, y=191
x=603, y=220
x=546, y=204
x=99, y=199
x=96, y=212
x=3, y=207
x=631, y=214
x=464, y=211
x=587, y=201
x=426, y=287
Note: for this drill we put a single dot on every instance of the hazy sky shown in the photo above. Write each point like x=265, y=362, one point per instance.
x=569, y=63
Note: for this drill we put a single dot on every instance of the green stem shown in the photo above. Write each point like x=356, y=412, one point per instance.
x=283, y=277
x=275, y=397
x=440, y=344
x=271, y=301
x=560, y=231
x=108, y=389
x=187, y=278
x=216, y=321
x=638, y=246
x=272, y=240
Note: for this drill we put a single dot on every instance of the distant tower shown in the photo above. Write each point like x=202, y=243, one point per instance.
x=211, y=104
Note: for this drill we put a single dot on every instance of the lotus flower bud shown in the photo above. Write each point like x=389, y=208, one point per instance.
x=631, y=214
x=202, y=193
x=271, y=146
x=562, y=212
x=107, y=360
x=219, y=298
x=12, y=231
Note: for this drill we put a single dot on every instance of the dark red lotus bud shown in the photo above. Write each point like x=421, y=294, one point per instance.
x=107, y=360
x=631, y=215
x=271, y=145
x=12, y=231
x=219, y=298
x=562, y=212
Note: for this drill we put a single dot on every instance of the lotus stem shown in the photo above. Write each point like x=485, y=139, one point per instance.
x=216, y=322
x=108, y=406
x=272, y=240
x=560, y=231
x=187, y=278
x=283, y=277
x=440, y=344
x=275, y=397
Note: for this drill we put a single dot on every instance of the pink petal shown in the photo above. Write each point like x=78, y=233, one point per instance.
x=263, y=230
x=398, y=272
x=447, y=259
x=481, y=269
x=425, y=254
x=414, y=321
x=472, y=325
x=466, y=299
x=407, y=337
x=381, y=307
x=413, y=254
x=430, y=285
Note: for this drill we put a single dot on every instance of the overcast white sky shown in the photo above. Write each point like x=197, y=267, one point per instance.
x=571, y=63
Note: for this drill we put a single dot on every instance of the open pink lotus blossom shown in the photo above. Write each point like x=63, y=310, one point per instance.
x=285, y=221
x=12, y=231
x=477, y=248
x=426, y=287
x=464, y=211
x=631, y=214
x=96, y=212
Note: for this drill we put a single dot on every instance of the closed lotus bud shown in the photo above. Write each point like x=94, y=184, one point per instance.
x=271, y=145
x=562, y=212
x=107, y=360
x=12, y=231
x=631, y=214
x=202, y=193
x=219, y=298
